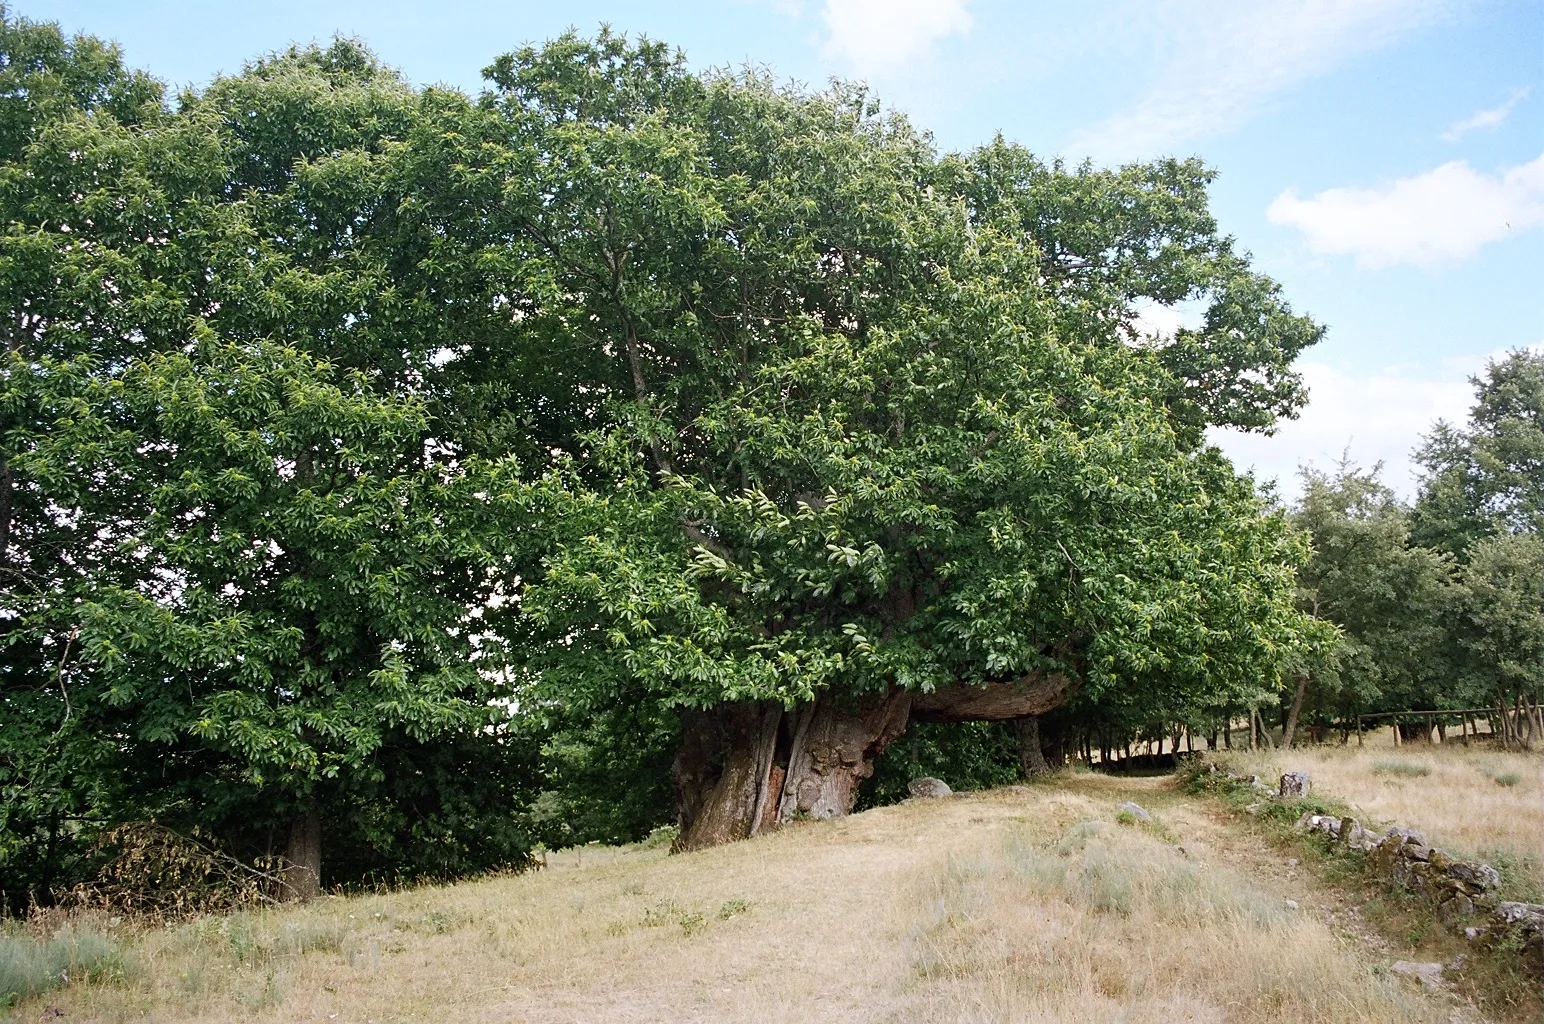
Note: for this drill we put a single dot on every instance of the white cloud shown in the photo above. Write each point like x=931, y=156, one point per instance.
x=1442, y=216
x=1157, y=318
x=870, y=36
x=1230, y=56
x=1375, y=418
x=1492, y=118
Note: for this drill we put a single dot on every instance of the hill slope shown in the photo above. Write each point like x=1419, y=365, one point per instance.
x=1021, y=904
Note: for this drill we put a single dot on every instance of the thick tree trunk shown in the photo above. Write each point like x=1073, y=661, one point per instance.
x=1031, y=756
x=832, y=750
x=745, y=767
x=722, y=771
x=303, y=857
x=1297, y=709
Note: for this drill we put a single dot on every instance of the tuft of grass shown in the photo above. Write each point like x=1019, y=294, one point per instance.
x=29, y=965
x=1407, y=769
x=1507, y=779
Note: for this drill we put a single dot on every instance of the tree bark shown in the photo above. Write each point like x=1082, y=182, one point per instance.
x=721, y=771
x=1031, y=756
x=7, y=480
x=994, y=702
x=743, y=768
x=835, y=751
x=1297, y=708
x=303, y=857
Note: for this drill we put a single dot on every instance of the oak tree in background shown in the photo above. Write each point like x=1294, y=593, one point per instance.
x=1482, y=499
x=244, y=574
x=1390, y=600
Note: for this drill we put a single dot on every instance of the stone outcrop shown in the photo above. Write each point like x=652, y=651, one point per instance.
x=1429, y=975
x=1294, y=785
x=1136, y=810
x=1402, y=855
x=927, y=787
x=1520, y=925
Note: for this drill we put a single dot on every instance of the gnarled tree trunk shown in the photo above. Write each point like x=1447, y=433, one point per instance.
x=722, y=771
x=832, y=750
x=746, y=767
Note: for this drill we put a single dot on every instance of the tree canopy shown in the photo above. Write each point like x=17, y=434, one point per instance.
x=357, y=436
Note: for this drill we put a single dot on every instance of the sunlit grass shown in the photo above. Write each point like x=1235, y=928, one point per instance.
x=1033, y=904
x=1472, y=801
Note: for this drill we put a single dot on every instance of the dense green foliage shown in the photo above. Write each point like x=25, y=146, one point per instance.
x=409, y=458
x=1440, y=605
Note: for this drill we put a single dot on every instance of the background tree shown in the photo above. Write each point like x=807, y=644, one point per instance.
x=247, y=572
x=1482, y=499
x=1488, y=477
x=1391, y=601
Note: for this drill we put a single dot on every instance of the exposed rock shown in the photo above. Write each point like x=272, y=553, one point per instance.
x=1454, y=911
x=1409, y=835
x=1429, y=975
x=1528, y=915
x=1386, y=855
x=1358, y=838
x=1481, y=876
x=1137, y=811
x=928, y=787
x=1291, y=904
x=1520, y=925
x=1473, y=933
x=1294, y=784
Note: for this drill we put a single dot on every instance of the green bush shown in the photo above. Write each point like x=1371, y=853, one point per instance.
x=966, y=755
x=29, y=965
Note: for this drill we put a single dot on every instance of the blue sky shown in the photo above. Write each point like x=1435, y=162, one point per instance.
x=1383, y=159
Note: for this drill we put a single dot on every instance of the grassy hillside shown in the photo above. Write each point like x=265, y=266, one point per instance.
x=1019, y=904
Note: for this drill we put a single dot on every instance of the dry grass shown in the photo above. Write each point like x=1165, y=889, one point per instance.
x=1018, y=905
x=1473, y=801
